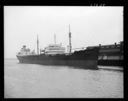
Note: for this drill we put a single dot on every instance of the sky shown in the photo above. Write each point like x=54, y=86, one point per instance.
x=89, y=26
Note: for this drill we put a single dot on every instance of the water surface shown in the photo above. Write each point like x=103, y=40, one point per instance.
x=39, y=81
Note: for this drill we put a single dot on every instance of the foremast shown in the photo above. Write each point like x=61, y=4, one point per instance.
x=37, y=45
x=70, y=45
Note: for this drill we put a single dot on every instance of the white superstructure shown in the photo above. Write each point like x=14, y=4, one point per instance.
x=53, y=49
x=25, y=51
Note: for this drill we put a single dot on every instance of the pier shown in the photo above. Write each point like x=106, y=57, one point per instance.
x=110, y=55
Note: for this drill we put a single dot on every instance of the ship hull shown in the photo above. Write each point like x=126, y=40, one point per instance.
x=83, y=59
x=87, y=64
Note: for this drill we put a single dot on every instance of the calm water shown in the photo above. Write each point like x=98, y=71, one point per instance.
x=38, y=81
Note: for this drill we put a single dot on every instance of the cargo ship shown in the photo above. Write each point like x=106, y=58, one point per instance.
x=55, y=54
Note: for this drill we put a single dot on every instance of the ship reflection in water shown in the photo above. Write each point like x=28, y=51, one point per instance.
x=39, y=81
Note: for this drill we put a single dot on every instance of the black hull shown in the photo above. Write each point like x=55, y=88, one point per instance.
x=81, y=59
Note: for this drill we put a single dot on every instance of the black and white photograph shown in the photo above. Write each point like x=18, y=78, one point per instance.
x=63, y=52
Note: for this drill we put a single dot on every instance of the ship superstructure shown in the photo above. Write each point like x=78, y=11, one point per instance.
x=54, y=49
x=25, y=51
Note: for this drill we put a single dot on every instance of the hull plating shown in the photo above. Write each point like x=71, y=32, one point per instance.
x=82, y=59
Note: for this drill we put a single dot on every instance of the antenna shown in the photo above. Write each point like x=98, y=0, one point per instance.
x=70, y=46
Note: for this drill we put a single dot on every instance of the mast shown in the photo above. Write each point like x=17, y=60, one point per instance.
x=54, y=38
x=70, y=45
x=37, y=45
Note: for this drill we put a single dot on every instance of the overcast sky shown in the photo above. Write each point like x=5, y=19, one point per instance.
x=89, y=25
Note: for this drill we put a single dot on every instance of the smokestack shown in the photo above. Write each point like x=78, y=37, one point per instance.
x=115, y=44
x=99, y=45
